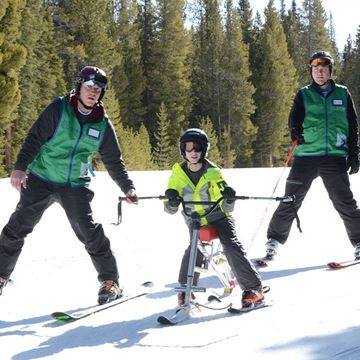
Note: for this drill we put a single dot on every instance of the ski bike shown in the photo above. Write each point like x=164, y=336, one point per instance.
x=203, y=239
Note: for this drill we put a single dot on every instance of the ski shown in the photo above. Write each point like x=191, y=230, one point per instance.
x=338, y=266
x=180, y=315
x=263, y=262
x=65, y=317
x=183, y=313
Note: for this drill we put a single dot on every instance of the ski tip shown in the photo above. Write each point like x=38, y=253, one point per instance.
x=266, y=289
x=148, y=284
x=214, y=298
x=261, y=263
x=163, y=320
x=62, y=317
x=335, y=265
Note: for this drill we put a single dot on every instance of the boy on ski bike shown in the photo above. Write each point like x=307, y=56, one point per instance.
x=197, y=179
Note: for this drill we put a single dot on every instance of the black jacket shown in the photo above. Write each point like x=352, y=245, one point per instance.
x=44, y=128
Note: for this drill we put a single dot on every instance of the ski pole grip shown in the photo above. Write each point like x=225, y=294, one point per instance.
x=287, y=199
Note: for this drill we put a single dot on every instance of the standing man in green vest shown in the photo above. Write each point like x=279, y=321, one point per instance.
x=323, y=121
x=54, y=165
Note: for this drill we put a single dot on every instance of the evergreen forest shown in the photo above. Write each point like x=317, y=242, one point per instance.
x=171, y=65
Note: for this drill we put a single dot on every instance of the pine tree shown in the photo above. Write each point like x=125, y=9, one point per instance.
x=136, y=148
x=292, y=27
x=350, y=74
x=355, y=88
x=229, y=154
x=169, y=78
x=347, y=66
x=147, y=22
x=315, y=35
x=255, y=50
x=237, y=94
x=144, y=159
x=88, y=36
x=131, y=98
x=162, y=150
x=245, y=13
x=42, y=75
x=332, y=36
x=214, y=152
x=275, y=83
x=12, y=58
x=207, y=73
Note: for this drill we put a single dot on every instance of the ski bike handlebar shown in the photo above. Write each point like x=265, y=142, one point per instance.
x=290, y=199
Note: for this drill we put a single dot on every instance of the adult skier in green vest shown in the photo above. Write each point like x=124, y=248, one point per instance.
x=54, y=165
x=323, y=121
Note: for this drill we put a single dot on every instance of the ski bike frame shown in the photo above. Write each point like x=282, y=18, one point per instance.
x=196, y=244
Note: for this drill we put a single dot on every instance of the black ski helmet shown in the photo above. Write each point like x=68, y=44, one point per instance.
x=195, y=135
x=97, y=75
x=322, y=55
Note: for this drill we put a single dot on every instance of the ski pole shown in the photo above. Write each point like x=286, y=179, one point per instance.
x=122, y=198
x=284, y=199
x=286, y=163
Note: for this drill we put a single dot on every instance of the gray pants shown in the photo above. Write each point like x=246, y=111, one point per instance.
x=245, y=273
x=34, y=200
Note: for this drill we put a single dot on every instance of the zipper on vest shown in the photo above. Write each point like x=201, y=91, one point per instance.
x=326, y=127
x=73, y=154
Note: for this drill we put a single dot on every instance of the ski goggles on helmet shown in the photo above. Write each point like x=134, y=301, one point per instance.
x=320, y=61
x=95, y=79
x=193, y=146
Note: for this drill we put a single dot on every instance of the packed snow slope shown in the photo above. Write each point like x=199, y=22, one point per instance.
x=314, y=312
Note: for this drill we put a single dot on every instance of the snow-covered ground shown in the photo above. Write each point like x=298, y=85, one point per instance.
x=314, y=313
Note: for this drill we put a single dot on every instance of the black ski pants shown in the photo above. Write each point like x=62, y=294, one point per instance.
x=332, y=171
x=34, y=200
x=245, y=273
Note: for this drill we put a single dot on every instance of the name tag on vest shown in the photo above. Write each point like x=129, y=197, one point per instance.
x=338, y=102
x=95, y=133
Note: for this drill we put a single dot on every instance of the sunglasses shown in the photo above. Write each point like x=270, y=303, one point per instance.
x=320, y=61
x=197, y=147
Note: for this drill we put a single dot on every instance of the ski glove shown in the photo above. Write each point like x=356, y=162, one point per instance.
x=131, y=197
x=228, y=194
x=296, y=134
x=352, y=163
x=173, y=197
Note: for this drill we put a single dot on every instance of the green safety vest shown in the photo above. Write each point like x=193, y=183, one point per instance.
x=325, y=126
x=66, y=158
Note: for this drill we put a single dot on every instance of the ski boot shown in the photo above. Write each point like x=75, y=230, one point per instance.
x=2, y=284
x=252, y=298
x=181, y=298
x=109, y=291
x=357, y=251
x=271, y=247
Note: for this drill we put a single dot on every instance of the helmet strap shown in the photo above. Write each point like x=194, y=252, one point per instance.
x=85, y=106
